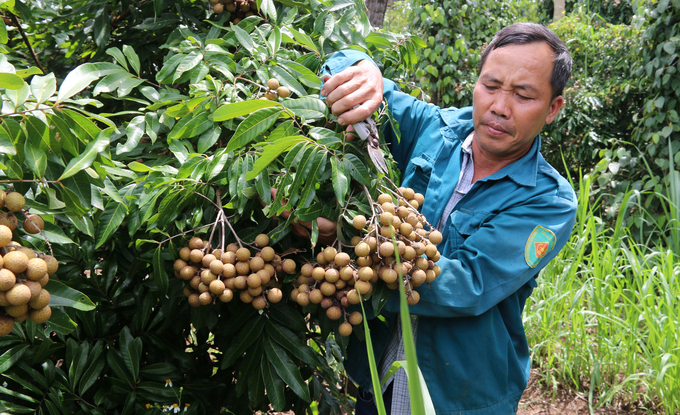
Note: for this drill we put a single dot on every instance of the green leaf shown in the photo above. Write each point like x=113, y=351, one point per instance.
x=11, y=81
x=134, y=132
x=247, y=336
x=303, y=39
x=62, y=295
x=257, y=123
x=118, y=56
x=270, y=151
x=339, y=179
x=60, y=322
x=25, y=73
x=12, y=356
x=243, y=38
x=274, y=385
x=190, y=126
x=288, y=80
x=357, y=169
x=131, y=350
x=101, y=143
x=43, y=87
x=289, y=340
x=286, y=368
x=18, y=96
x=55, y=234
x=208, y=139
x=77, y=80
x=116, y=363
x=92, y=374
x=160, y=275
x=310, y=108
x=158, y=369
x=6, y=143
x=239, y=109
x=129, y=51
x=187, y=63
x=36, y=159
x=316, y=169
x=109, y=221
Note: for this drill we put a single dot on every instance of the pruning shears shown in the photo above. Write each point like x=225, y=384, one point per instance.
x=367, y=130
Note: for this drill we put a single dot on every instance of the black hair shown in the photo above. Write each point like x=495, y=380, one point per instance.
x=525, y=33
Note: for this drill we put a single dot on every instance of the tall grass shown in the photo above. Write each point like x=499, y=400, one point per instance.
x=605, y=318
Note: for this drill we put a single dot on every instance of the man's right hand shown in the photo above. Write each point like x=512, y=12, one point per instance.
x=360, y=84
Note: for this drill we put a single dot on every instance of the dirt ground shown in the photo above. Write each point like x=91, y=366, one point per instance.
x=539, y=401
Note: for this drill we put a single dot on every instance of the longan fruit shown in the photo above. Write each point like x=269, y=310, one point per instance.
x=36, y=269
x=3, y=195
x=418, y=197
x=33, y=224
x=386, y=249
x=255, y=291
x=15, y=261
x=307, y=270
x=353, y=296
x=315, y=296
x=6, y=325
x=431, y=251
x=35, y=288
x=356, y=318
x=334, y=312
x=5, y=235
x=242, y=268
x=193, y=300
x=254, y=280
x=8, y=219
x=184, y=253
x=283, y=92
x=270, y=95
x=267, y=253
x=195, y=243
x=355, y=240
x=346, y=273
x=228, y=258
x=418, y=278
x=362, y=249
x=359, y=222
x=430, y=276
x=384, y=198
x=435, y=237
x=187, y=291
x=259, y=302
x=19, y=294
x=196, y=256
x=274, y=295
x=389, y=275
x=243, y=254
x=388, y=207
x=386, y=218
x=413, y=297
x=366, y=273
x=232, y=247
x=327, y=288
x=240, y=282
x=329, y=253
x=332, y=275
x=262, y=240
x=289, y=266
x=302, y=299
x=179, y=264
x=363, y=287
x=7, y=279
x=245, y=297
x=217, y=287
x=405, y=228
x=326, y=303
x=273, y=83
x=218, y=8
x=345, y=329
x=256, y=263
x=15, y=201
x=227, y=295
x=231, y=7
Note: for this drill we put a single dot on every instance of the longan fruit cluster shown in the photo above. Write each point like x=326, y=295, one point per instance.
x=23, y=272
x=276, y=90
x=239, y=9
x=415, y=245
x=216, y=274
x=334, y=284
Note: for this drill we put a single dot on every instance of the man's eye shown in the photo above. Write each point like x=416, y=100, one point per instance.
x=490, y=88
x=523, y=98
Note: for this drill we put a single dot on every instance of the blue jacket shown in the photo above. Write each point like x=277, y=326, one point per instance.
x=471, y=345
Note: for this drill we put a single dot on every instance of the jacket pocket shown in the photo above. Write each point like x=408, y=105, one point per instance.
x=418, y=172
x=465, y=222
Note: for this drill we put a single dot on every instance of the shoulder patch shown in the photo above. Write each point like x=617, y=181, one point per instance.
x=540, y=242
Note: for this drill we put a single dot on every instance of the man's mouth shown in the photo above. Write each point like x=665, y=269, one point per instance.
x=496, y=129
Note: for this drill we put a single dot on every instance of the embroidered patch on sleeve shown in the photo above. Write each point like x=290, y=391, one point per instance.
x=540, y=242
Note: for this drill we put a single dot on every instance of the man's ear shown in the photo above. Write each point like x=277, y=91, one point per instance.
x=555, y=106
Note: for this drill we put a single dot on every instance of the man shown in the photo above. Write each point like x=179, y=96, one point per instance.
x=504, y=213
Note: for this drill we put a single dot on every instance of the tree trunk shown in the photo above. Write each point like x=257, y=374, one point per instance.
x=376, y=11
x=558, y=11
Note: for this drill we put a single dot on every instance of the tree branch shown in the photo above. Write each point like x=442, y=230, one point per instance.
x=27, y=42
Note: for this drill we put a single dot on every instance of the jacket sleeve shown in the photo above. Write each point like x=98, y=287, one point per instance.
x=491, y=263
x=412, y=115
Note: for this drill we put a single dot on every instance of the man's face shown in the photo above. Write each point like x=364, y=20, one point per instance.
x=512, y=101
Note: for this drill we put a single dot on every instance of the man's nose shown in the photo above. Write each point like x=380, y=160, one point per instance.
x=501, y=105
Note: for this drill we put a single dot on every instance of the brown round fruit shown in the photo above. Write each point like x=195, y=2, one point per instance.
x=15, y=201
x=217, y=287
x=40, y=316
x=8, y=219
x=262, y=240
x=19, y=294
x=345, y=329
x=218, y=8
x=36, y=269
x=5, y=235
x=435, y=237
x=227, y=295
x=274, y=295
x=195, y=243
x=243, y=254
x=334, y=312
x=289, y=266
x=283, y=92
x=33, y=224
x=270, y=95
x=7, y=279
x=273, y=83
x=6, y=325
x=15, y=261
x=356, y=318
x=362, y=249
x=259, y=302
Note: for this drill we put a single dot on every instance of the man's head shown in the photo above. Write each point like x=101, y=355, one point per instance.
x=526, y=33
x=518, y=91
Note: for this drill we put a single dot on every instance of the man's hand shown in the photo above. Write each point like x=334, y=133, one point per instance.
x=327, y=228
x=361, y=85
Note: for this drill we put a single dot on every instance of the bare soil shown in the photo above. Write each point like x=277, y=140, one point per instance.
x=537, y=400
